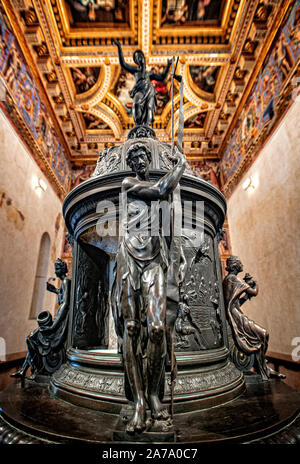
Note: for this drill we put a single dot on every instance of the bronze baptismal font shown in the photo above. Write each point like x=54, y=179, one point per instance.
x=149, y=343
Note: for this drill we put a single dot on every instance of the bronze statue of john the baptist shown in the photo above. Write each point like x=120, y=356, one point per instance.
x=140, y=286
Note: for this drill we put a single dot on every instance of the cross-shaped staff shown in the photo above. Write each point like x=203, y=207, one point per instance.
x=180, y=129
x=179, y=145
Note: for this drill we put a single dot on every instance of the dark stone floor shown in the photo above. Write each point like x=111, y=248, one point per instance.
x=266, y=411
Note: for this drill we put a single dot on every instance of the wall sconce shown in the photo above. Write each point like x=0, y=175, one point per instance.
x=38, y=185
x=251, y=183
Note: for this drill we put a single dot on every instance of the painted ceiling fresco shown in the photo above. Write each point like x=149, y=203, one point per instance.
x=82, y=12
x=177, y=12
x=205, y=77
x=94, y=123
x=124, y=84
x=84, y=78
x=196, y=121
x=62, y=73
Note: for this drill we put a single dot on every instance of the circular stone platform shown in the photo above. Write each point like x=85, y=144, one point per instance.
x=267, y=412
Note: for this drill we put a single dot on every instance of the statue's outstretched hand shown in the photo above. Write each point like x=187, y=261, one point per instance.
x=250, y=281
x=116, y=42
x=172, y=157
x=177, y=156
x=51, y=288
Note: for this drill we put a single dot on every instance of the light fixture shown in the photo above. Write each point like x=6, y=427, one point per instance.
x=42, y=185
x=251, y=183
x=38, y=185
x=247, y=183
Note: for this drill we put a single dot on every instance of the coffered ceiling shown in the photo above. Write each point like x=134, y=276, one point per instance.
x=68, y=44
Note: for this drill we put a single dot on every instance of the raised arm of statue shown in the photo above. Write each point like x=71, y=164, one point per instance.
x=51, y=288
x=251, y=291
x=163, y=75
x=169, y=181
x=162, y=188
x=123, y=64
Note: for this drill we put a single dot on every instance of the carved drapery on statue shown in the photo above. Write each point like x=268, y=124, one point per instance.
x=249, y=336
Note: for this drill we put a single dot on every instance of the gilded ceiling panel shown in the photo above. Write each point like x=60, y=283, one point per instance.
x=196, y=122
x=84, y=78
x=93, y=123
x=221, y=44
x=191, y=13
x=205, y=77
x=102, y=13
